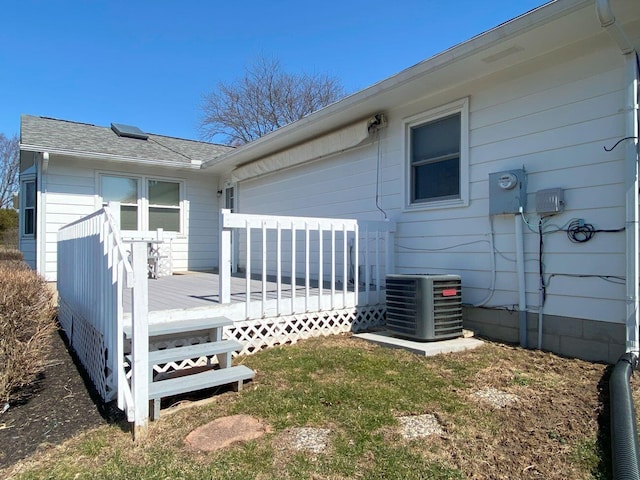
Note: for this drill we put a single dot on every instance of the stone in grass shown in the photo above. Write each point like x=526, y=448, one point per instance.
x=310, y=439
x=419, y=426
x=225, y=431
x=496, y=398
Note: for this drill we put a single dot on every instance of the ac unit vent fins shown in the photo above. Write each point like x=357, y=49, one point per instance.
x=424, y=307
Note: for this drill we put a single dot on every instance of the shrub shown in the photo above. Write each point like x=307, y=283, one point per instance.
x=8, y=219
x=10, y=254
x=27, y=321
x=9, y=238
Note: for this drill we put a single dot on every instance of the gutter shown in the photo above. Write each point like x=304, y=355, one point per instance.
x=110, y=157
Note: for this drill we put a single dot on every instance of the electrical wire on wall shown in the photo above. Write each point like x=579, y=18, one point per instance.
x=492, y=288
x=378, y=165
x=492, y=253
x=578, y=231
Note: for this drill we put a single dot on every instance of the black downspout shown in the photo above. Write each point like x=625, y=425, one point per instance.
x=624, y=434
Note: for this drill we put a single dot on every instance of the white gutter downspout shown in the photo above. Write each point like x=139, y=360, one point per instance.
x=41, y=216
x=608, y=21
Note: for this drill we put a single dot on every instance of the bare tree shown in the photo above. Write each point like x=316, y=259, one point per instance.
x=264, y=99
x=9, y=169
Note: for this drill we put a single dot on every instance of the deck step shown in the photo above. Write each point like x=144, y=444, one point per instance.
x=199, y=381
x=158, y=357
x=180, y=326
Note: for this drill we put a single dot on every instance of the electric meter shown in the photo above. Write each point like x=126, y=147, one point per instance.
x=507, y=181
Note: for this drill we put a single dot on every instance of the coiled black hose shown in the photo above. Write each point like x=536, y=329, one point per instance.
x=624, y=434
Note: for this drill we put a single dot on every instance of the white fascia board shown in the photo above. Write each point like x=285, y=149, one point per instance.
x=111, y=157
x=350, y=108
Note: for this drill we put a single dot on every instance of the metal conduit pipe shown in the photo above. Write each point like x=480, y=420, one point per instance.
x=625, y=455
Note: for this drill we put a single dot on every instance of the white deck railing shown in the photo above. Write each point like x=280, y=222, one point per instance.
x=322, y=263
x=93, y=272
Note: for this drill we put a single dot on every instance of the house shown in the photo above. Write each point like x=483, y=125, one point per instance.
x=70, y=169
x=548, y=94
x=510, y=160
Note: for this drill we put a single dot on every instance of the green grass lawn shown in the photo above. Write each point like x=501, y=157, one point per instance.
x=358, y=391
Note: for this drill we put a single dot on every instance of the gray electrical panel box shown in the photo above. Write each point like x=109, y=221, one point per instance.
x=507, y=192
x=550, y=201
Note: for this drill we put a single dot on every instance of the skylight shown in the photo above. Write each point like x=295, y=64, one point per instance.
x=128, y=131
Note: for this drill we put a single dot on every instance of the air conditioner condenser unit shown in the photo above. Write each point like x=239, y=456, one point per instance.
x=424, y=307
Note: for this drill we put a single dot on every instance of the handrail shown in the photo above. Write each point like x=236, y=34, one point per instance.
x=94, y=270
x=315, y=251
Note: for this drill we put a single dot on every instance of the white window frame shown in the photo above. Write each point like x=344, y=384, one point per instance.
x=458, y=107
x=181, y=191
x=139, y=194
x=143, y=195
x=23, y=207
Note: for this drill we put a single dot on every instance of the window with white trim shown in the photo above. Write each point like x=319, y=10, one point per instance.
x=164, y=205
x=126, y=191
x=437, y=157
x=145, y=203
x=29, y=208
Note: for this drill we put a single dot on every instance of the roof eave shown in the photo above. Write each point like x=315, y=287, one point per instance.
x=110, y=157
x=338, y=114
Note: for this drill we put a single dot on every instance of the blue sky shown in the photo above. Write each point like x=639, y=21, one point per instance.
x=148, y=63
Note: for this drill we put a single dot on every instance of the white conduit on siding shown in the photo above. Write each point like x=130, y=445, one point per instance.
x=522, y=293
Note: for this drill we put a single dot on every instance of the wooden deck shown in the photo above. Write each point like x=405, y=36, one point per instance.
x=198, y=290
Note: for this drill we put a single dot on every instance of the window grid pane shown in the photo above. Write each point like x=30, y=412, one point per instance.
x=165, y=218
x=128, y=217
x=435, y=159
x=164, y=193
x=119, y=189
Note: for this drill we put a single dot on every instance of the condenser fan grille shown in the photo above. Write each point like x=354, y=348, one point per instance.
x=424, y=307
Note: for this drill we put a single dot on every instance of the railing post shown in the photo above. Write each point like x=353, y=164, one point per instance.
x=114, y=208
x=224, y=285
x=140, y=340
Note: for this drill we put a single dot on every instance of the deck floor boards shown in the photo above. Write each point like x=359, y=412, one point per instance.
x=197, y=289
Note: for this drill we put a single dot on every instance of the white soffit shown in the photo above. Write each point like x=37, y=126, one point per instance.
x=334, y=142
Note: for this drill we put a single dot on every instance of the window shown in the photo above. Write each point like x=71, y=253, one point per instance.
x=125, y=191
x=145, y=204
x=29, y=210
x=436, y=145
x=164, y=205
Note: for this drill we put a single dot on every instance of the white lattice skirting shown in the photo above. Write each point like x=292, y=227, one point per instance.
x=259, y=334
x=88, y=344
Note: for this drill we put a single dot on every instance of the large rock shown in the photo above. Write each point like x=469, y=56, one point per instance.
x=225, y=431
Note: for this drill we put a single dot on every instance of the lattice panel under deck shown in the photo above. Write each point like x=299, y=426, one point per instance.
x=270, y=332
x=89, y=345
x=65, y=317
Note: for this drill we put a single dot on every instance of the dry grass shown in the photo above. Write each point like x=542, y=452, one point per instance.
x=26, y=324
x=359, y=396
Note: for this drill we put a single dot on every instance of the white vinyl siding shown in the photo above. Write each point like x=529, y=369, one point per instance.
x=552, y=117
x=73, y=191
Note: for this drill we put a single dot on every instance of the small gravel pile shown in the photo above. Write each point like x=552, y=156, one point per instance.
x=419, y=426
x=497, y=398
x=310, y=439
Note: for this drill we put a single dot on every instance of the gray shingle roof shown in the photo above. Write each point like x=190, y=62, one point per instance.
x=49, y=133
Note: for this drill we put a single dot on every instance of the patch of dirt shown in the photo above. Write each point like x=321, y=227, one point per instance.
x=56, y=407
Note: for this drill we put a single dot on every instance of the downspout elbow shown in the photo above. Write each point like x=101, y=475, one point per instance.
x=608, y=21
